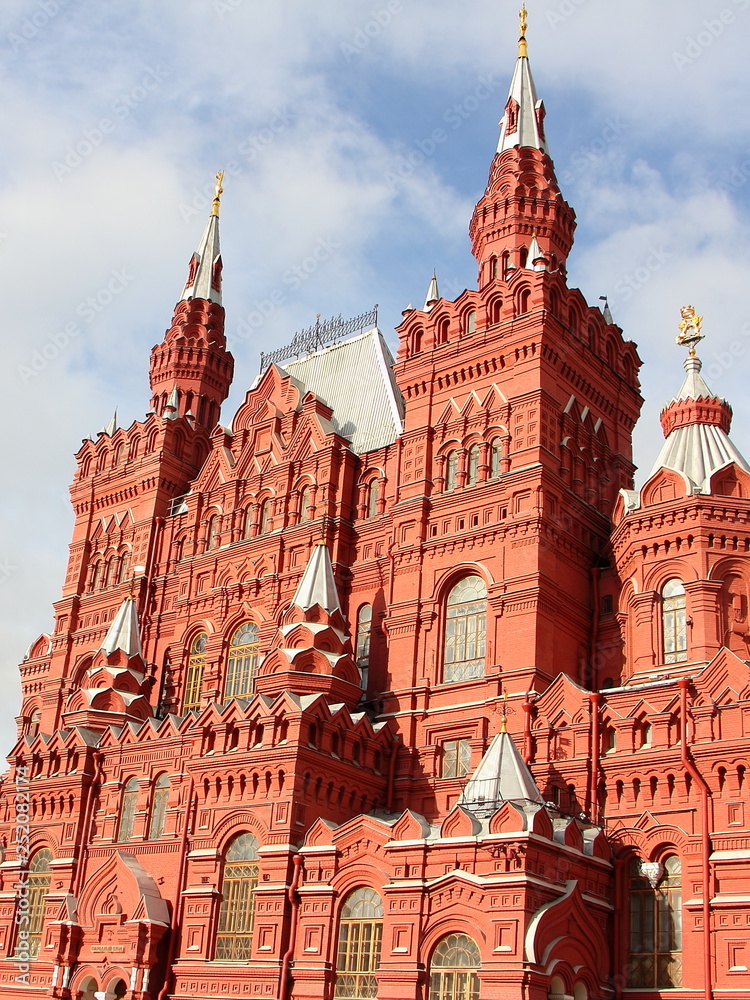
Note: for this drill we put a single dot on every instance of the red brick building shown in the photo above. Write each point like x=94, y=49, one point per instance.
x=395, y=687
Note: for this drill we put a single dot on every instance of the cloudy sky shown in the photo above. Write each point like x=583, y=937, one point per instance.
x=115, y=117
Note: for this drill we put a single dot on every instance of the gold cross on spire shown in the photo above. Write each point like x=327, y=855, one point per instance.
x=218, y=193
x=522, y=24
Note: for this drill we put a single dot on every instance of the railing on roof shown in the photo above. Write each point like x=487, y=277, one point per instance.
x=320, y=334
x=178, y=505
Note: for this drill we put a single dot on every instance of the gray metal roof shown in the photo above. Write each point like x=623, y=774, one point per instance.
x=355, y=378
x=523, y=92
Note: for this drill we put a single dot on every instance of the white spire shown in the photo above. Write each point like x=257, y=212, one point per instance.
x=433, y=294
x=521, y=125
x=111, y=427
x=204, y=274
x=318, y=585
x=172, y=407
x=500, y=777
x=535, y=260
x=123, y=632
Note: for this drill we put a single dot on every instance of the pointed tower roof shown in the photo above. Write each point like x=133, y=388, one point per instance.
x=318, y=585
x=695, y=422
x=124, y=632
x=204, y=274
x=111, y=427
x=433, y=294
x=172, y=408
x=501, y=776
x=522, y=123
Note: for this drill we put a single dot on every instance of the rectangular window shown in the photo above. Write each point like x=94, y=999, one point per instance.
x=456, y=758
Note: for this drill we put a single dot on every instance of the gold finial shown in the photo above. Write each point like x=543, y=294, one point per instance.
x=522, y=24
x=218, y=193
x=690, y=329
x=504, y=720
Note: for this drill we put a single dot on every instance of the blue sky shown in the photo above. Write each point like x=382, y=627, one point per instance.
x=115, y=118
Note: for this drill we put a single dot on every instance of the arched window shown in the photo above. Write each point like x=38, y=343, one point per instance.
x=465, y=623
x=362, y=651
x=655, y=949
x=37, y=887
x=159, y=808
x=264, y=516
x=496, y=454
x=235, y=932
x=127, y=811
x=471, y=322
x=242, y=662
x=34, y=723
x=194, y=675
x=248, y=526
x=360, y=936
x=122, y=570
x=95, y=572
x=453, y=969
x=674, y=622
x=451, y=470
x=212, y=533
x=472, y=465
x=110, y=575
x=373, y=491
x=305, y=504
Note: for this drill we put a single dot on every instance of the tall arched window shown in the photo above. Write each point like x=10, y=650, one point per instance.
x=305, y=504
x=472, y=465
x=194, y=675
x=212, y=532
x=471, y=322
x=451, y=470
x=674, y=622
x=655, y=950
x=453, y=969
x=264, y=516
x=235, y=932
x=465, y=624
x=360, y=936
x=242, y=662
x=159, y=808
x=373, y=491
x=496, y=453
x=362, y=651
x=127, y=811
x=247, y=529
x=40, y=875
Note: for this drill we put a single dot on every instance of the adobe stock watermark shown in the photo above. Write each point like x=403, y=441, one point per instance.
x=91, y=138
x=721, y=362
x=711, y=29
x=22, y=839
x=371, y=29
x=629, y=284
x=7, y=569
x=592, y=151
x=454, y=116
x=224, y=7
x=87, y=310
x=35, y=22
x=292, y=279
x=565, y=9
x=737, y=177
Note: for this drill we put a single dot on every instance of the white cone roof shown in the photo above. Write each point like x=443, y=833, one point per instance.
x=123, y=632
x=208, y=252
x=526, y=131
x=318, y=585
x=501, y=776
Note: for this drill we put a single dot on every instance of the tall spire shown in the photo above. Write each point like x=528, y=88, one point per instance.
x=522, y=199
x=696, y=422
x=317, y=585
x=204, y=272
x=123, y=632
x=191, y=370
x=523, y=121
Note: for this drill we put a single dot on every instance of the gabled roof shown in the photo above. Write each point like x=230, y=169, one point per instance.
x=355, y=378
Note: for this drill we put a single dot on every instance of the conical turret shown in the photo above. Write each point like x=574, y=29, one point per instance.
x=192, y=367
x=522, y=202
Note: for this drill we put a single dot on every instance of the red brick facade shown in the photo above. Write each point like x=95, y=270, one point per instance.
x=226, y=785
